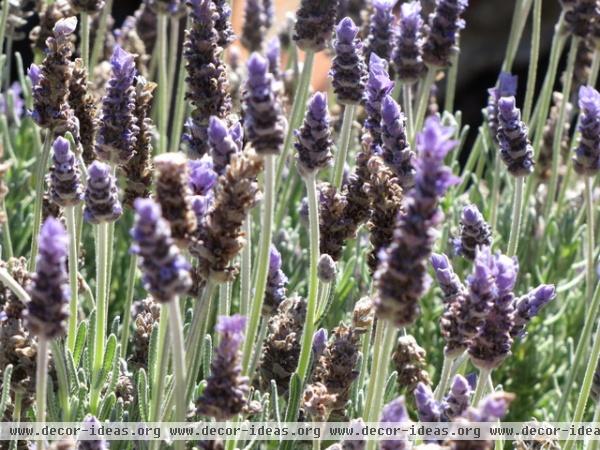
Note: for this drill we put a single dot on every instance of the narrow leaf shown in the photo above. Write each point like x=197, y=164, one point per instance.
x=5, y=388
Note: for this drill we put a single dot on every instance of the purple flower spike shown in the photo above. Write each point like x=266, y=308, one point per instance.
x=445, y=24
x=276, y=284
x=202, y=179
x=65, y=184
x=402, y=274
x=492, y=408
x=264, y=121
x=254, y=29
x=587, y=155
x=319, y=342
x=428, y=408
x=315, y=20
x=507, y=87
x=92, y=423
x=348, y=70
x=101, y=196
x=381, y=31
x=446, y=277
x=474, y=232
x=34, y=73
x=165, y=272
x=395, y=412
x=226, y=390
x=314, y=137
x=47, y=311
x=273, y=54
x=118, y=131
x=407, y=55
x=482, y=292
x=515, y=148
x=222, y=143
x=395, y=149
x=65, y=27
x=378, y=87
x=459, y=399
x=529, y=305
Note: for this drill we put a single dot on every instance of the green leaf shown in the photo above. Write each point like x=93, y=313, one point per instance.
x=5, y=389
x=142, y=395
x=109, y=357
x=207, y=355
x=79, y=343
x=54, y=410
x=117, y=413
x=71, y=372
x=115, y=371
x=275, y=401
x=390, y=386
x=107, y=405
x=114, y=328
x=91, y=342
x=153, y=354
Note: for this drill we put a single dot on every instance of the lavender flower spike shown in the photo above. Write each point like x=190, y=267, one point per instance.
x=402, y=275
x=507, y=87
x=264, y=121
x=348, y=70
x=201, y=179
x=587, y=155
x=165, y=272
x=446, y=277
x=395, y=412
x=273, y=54
x=515, y=148
x=222, y=143
x=314, y=137
x=474, y=232
x=396, y=151
x=381, y=33
x=314, y=23
x=442, y=32
x=407, y=55
x=92, y=423
x=428, y=408
x=226, y=390
x=65, y=184
x=101, y=196
x=254, y=29
x=276, y=284
x=378, y=87
x=529, y=305
x=459, y=399
x=118, y=124
x=47, y=311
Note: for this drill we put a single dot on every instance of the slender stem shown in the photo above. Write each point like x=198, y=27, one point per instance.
x=444, y=377
x=365, y=348
x=163, y=84
x=313, y=280
x=407, y=104
x=100, y=35
x=558, y=133
x=590, y=266
x=582, y=346
x=73, y=283
x=513, y=240
x=130, y=286
x=594, y=443
x=495, y=192
x=15, y=287
x=160, y=369
x=224, y=299
x=4, y=21
x=533, y=59
x=263, y=261
x=173, y=53
x=85, y=40
x=378, y=377
x=61, y=375
x=342, y=153
x=41, y=383
x=42, y=166
x=482, y=383
x=297, y=113
x=101, y=301
x=519, y=19
x=246, y=269
x=6, y=238
x=424, y=93
x=180, y=104
x=586, y=386
x=176, y=332
x=451, y=82
x=377, y=360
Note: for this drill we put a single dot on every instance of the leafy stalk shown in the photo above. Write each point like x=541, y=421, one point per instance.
x=73, y=282
x=342, y=153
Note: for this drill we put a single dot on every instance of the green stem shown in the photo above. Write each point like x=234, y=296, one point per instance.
x=224, y=299
x=482, y=383
x=101, y=301
x=41, y=383
x=63, y=382
x=364, y=367
x=407, y=104
x=42, y=166
x=586, y=386
x=263, y=261
x=342, y=153
x=176, y=332
x=160, y=370
x=180, y=104
x=85, y=40
x=533, y=59
x=15, y=287
x=444, y=377
x=173, y=53
x=17, y=415
x=594, y=443
x=558, y=133
x=73, y=283
x=297, y=113
x=451, y=82
x=4, y=21
x=130, y=286
x=582, y=346
x=100, y=35
x=163, y=83
x=246, y=268
x=424, y=93
x=513, y=241
x=519, y=19
x=379, y=374
x=590, y=265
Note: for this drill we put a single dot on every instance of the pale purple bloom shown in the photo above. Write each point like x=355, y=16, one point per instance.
x=529, y=305
x=407, y=55
x=101, y=196
x=348, y=70
x=222, y=143
x=65, y=184
x=474, y=232
x=428, y=408
x=276, y=283
x=381, y=31
x=395, y=149
x=395, y=412
x=379, y=86
x=587, y=155
x=319, y=342
x=445, y=23
x=314, y=137
x=459, y=398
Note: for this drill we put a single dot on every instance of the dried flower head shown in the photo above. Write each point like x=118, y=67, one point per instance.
x=315, y=20
x=326, y=269
x=410, y=362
